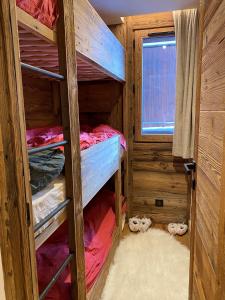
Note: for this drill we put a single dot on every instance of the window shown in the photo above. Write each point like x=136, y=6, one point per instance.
x=157, y=72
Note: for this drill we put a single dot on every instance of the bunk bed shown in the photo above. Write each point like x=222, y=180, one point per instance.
x=94, y=61
x=39, y=53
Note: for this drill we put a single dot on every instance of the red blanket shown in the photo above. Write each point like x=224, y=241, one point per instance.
x=45, y=11
x=43, y=136
x=99, y=223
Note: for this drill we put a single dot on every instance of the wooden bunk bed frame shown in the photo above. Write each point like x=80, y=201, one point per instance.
x=109, y=61
x=94, y=62
x=98, y=164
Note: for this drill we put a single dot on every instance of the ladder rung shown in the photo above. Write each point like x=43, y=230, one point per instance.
x=51, y=215
x=42, y=71
x=55, y=277
x=47, y=147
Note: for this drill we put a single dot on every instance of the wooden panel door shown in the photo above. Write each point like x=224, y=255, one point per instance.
x=207, y=280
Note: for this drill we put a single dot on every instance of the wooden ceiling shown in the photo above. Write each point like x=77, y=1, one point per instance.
x=40, y=53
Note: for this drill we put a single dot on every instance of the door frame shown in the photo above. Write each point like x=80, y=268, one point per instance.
x=194, y=175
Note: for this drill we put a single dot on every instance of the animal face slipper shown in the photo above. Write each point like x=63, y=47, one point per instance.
x=177, y=228
x=134, y=224
x=172, y=228
x=145, y=223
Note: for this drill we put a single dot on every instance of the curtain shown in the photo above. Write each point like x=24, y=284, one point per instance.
x=186, y=30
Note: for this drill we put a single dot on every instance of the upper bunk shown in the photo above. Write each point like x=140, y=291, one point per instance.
x=100, y=55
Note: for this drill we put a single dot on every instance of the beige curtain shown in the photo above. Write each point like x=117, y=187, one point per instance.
x=186, y=29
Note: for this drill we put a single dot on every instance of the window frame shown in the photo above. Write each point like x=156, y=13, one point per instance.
x=138, y=39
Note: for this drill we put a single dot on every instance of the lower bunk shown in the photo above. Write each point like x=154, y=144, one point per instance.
x=101, y=237
x=100, y=159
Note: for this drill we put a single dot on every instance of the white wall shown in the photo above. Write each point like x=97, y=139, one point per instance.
x=2, y=289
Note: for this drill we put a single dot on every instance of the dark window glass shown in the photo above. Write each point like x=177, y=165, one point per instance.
x=158, y=84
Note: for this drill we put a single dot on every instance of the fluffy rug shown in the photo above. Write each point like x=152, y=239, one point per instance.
x=148, y=266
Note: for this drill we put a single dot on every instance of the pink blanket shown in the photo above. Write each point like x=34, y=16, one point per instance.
x=47, y=135
x=99, y=224
x=45, y=11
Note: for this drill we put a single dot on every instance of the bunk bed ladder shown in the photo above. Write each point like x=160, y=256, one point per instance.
x=70, y=118
x=67, y=79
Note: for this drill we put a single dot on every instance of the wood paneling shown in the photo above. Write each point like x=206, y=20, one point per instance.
x=101, y=102
x=157, y=20
x=42, y=102
x=98, y=164
x=153, y=172
x=209, y=238
x=157, y=175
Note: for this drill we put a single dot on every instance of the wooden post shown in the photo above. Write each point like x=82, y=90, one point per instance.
x=70, y=118
x=118, y=203
x=16, y=242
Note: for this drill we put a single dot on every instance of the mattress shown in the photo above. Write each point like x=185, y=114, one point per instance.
x=45, y=201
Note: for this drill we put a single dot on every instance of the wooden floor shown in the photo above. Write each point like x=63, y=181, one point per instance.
x=185, y=239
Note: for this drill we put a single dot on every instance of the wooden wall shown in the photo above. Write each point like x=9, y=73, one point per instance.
x=42, y=102
x=153, y=172
x=101, y=102
x=157, y=175
x=209, y=230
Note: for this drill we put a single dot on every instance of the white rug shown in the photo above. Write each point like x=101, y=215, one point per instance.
x=148, y=266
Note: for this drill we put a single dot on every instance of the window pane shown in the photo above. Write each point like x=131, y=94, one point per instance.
x=158, y=84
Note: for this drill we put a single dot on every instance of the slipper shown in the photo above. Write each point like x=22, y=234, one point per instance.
x=134, y=224
x=181, y=229
x=145, y=223
x=172, y=228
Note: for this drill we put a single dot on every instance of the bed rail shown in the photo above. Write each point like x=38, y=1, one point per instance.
x=56, y=276
x=47, y=147
x=59, y=208
x=42, y=71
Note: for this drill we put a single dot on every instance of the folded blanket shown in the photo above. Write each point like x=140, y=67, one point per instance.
x=44, y=168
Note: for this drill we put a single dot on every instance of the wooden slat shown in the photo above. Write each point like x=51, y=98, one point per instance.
x=204, y=271
x=70, y=118
x=211, y=7
x=47, y=232
x=96, y=290
x=90, y=32
x=28, y=22
x=118, y=202
x=157, y=20
x=98, y=164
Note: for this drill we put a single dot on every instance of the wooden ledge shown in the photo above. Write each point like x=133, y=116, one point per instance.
x=27, y=22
